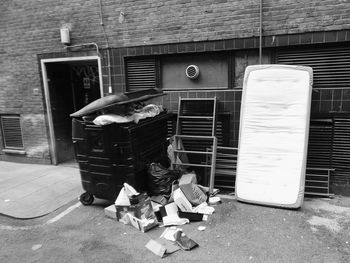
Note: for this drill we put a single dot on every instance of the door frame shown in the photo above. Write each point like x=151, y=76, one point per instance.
x=44, y=62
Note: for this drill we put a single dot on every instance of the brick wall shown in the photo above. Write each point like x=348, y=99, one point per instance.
x=31, y=27
x=156, y=22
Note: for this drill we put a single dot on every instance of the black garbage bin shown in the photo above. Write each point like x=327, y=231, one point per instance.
x=113, y=154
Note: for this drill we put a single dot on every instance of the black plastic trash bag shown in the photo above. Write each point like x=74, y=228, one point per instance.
x=160, y=179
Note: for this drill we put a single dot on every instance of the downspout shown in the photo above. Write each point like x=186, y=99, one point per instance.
x=108, y=51
x=260, y=33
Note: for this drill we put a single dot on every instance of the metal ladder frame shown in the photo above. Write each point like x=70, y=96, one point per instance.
x=179, y=136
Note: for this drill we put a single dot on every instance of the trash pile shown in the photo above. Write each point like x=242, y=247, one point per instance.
x=135, y=113
x=174, y=198
x=121, y=108
x=119, y=103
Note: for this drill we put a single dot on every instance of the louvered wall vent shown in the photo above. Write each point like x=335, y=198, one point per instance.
x=11, y=132
x=192, y=71
x=141, y=73
x=331, y=66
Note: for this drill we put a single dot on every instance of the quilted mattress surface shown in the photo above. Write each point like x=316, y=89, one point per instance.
x=273, y=137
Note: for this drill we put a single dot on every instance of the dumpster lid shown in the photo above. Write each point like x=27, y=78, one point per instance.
x=118, y=99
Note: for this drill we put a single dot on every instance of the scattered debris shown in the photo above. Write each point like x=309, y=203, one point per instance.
x=170, y=241
x=135, y=209
x=36, y=247
x=169, y=214
x=142, y=224
x=201, y=228
x=184, y=241
x=161, y=247
x=204, y=208
x=160, y=180
x=186, y=202
x=214, y=200
x=193, y=216
x=111, y=211
x=134, y=115
x=181, y=201
x=173, y=195
x=169, y=233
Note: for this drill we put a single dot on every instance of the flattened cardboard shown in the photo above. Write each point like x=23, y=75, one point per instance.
x=111, y=211
x=193, y=193
x=184, y=241
x=161, y=247
x=143, y=225
x=156, y=248
x=181, y=201
x=143, y=209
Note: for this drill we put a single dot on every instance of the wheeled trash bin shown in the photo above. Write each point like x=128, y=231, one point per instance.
x=113, y=154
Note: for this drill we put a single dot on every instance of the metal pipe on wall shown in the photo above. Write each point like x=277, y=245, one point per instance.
x=260, y=33
x=108, y=51
x=86, y=45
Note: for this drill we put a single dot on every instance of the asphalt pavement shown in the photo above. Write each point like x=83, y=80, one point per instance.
x=236, y=232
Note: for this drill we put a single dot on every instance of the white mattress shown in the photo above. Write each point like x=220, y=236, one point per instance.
x=273, y=137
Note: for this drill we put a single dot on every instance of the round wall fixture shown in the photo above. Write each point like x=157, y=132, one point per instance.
x=192, y=71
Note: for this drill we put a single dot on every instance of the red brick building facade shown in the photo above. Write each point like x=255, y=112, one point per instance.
x=118, y=46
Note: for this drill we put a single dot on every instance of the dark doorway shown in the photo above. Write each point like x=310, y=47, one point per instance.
x=72, y=85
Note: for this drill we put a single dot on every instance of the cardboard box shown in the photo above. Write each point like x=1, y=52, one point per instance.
x=142, y=210
x=111, y=211
x=121, y=211
x=169, y=209
x=193, y=194
x=143, y=224
x=162, y=247
x=189, y=178
x=181, y=201
x=156, y=248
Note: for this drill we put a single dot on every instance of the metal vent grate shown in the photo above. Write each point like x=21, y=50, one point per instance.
x=192, y=71
x=320, y=143
x=331, y=66
x=329, y=147
x=141, y=73
x=341, y=150
x=11, y=132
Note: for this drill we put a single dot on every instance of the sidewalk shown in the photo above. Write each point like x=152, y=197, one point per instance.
x=33, y=190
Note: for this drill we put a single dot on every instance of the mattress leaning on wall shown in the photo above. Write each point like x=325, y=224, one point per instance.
x=273, y=137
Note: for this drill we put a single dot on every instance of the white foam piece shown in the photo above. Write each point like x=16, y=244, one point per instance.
x=273, y=137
